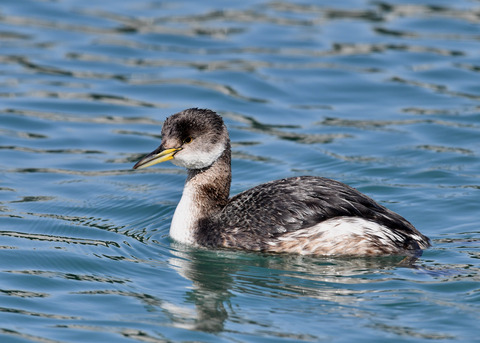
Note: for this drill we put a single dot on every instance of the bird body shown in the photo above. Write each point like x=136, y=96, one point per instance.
x=305, y=215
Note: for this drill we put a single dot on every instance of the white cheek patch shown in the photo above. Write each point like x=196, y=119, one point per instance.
x=197, y=159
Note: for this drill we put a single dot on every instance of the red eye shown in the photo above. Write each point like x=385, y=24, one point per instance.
x=188, y=140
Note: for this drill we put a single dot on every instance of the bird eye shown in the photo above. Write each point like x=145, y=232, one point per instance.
x=188, y=140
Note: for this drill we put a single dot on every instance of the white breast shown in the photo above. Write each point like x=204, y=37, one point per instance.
x=184, y=218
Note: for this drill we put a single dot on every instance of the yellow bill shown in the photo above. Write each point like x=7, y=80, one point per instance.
x=156, y=157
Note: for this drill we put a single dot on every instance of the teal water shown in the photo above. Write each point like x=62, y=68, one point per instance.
x=384, y=96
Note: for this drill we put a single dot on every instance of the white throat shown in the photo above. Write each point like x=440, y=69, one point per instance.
x=186, y=214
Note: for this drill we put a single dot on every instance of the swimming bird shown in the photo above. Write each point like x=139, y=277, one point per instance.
x=304, y=215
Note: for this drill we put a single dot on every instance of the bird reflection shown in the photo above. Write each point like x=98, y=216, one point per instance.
x=217, y=276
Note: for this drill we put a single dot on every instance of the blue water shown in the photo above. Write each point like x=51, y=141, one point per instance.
x=384, y=96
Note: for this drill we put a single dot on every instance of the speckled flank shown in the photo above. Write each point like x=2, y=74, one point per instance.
x=341, y=236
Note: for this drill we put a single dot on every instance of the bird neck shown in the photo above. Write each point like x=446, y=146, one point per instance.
x=205, y=193
x=212, y=184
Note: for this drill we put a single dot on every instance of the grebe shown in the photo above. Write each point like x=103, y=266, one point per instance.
x=304, y=215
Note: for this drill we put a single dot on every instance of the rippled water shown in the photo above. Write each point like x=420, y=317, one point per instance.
x=382, y=95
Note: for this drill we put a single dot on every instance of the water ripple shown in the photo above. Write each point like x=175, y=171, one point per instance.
x=435, y=87
x=36, y=314
x=50, y=151
x=222, y=89
x=64, y=117
x=50, y=238
x=25, y=336
x=23, y=294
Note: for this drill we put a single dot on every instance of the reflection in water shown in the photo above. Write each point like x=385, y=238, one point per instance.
x=212, y=280
x=217, y=275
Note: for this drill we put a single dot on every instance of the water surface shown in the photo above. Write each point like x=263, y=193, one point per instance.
x=384, y=96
